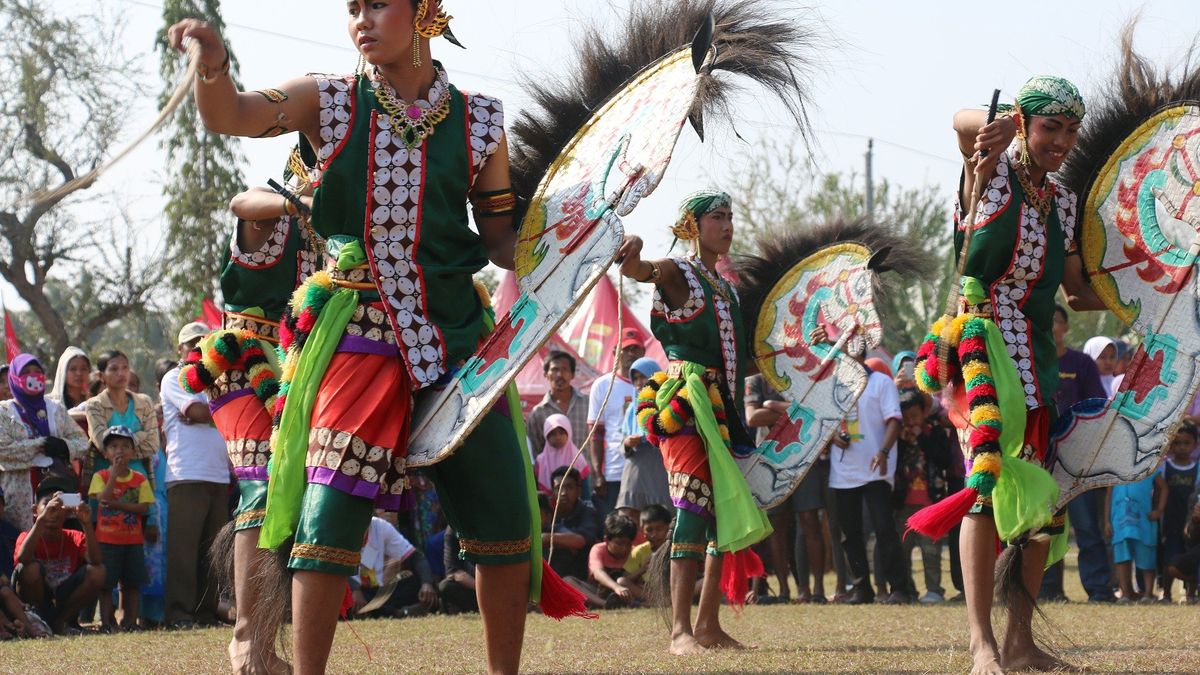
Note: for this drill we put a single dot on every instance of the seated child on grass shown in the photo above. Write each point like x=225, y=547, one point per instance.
x=606, y=565
x=58, y=571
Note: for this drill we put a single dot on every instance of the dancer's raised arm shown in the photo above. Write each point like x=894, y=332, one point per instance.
x=226, y=110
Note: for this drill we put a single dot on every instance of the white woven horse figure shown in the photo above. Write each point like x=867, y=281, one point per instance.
x=1140, y=239
x=832, y=288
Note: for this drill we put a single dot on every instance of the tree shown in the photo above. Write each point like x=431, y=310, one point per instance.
x=781, y=188
x=66, y=95
x=203, y=173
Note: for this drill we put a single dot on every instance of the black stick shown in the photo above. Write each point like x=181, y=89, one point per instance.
x=991, y=116
x=307, y=213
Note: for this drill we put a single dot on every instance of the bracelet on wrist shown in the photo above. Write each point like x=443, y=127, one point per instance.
x=206, y=74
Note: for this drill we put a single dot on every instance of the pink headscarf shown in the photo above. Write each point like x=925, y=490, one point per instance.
x=552, y=458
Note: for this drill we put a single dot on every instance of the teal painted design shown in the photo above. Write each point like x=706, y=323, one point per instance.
x=478, y=371
x=1165, y=251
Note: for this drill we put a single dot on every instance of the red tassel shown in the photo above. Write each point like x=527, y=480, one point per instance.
x=936, y=520
x=736, y=571
x=347, y=603
x=560, y=600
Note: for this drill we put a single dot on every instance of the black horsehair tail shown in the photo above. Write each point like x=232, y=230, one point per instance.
x=784, y=245
x=752, y=38
x=1135, y=92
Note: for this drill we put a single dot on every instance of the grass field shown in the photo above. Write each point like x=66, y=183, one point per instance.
x=796, y=638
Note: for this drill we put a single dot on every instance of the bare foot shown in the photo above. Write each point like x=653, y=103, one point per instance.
x=244, y=661
x=717, y=639
x=1034, y=660
x=986, y=660
x=685, y=644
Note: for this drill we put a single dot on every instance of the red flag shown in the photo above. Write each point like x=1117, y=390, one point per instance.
x=11, y=346
x=209, y=314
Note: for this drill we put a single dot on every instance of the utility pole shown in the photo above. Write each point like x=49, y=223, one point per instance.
x=870, y=182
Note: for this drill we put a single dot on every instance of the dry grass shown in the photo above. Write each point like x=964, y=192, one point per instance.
x=796, y=638
x=1151, y=639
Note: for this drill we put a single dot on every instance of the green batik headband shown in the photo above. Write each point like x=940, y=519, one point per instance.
x=687, y=227
x=1046, y=95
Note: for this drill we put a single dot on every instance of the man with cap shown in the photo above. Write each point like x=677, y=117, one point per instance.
x=197, y=494
x=607, y=448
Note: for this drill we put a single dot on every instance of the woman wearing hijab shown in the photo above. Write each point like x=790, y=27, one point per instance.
x=70, y=386
x=559, y=451
x=35, y=434
x=644, y=479
x=1103, y=351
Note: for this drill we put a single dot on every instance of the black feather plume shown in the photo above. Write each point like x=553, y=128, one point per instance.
x=748, y=39
x=780, y=249
x=1134, y=93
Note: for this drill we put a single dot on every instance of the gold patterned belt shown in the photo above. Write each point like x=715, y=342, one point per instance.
x=263, y=328
x=710, y=376
x=357, y=278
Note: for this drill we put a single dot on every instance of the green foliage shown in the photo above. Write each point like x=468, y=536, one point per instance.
x=203, y=174
x=780, y=188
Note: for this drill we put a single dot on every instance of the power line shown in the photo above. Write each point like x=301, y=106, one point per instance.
x=514, y=83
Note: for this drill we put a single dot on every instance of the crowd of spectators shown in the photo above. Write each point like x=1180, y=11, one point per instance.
x=110, y=501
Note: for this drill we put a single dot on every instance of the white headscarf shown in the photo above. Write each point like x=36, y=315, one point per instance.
x=58, y=389
x=1094, y=348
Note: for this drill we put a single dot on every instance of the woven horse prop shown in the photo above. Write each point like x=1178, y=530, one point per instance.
x=1140, y=239
x=834, y=288
x=596, y=144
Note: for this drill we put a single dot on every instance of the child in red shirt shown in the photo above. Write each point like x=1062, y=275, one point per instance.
x=606, y=565
x=124, y=496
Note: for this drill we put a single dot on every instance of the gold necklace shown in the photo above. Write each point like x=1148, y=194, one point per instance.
x=414, y=123
x=1038, y=198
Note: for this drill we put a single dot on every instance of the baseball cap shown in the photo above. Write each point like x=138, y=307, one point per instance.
x=632, y=336
x=117, y=431
x=191, y=331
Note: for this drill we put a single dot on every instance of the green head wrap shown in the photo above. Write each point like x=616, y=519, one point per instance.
x=687, y=227
x=1047, y=95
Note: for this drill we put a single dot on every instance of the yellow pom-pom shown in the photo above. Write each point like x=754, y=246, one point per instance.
x=974, y=369
x=289, y=366
x=987, y=463
x=984, y=413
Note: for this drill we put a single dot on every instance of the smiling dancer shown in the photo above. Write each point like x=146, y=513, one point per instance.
x=1022, y=250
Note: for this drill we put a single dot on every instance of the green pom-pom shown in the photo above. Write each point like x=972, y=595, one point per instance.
x=983, y=483
x=980, y=379
x=316, y=296
x=995, y=424
x=973, y=328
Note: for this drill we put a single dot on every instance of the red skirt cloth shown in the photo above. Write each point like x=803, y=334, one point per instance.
x=689, y=479
x=360, y=424
x=243, y=422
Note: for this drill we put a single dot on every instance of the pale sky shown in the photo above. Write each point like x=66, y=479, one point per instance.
x=894, y=71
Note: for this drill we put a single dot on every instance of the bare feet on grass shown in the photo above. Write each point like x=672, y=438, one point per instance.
x=986, y=660
x=717, y=639
x=244, y=662
x=685, y=644
x=1037, y=660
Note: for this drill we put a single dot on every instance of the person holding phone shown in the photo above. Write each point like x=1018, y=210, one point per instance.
x=59, y=571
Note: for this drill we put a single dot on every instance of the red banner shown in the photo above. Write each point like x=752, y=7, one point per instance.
x=592, y=330
x=209, y=314
x=11, y=346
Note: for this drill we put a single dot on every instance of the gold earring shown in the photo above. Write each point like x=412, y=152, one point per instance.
x=416, y=50
x=362, y=65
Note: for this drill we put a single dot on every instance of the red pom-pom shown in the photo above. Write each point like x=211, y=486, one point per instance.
x=286, y=336
x=983, y=434
x=193, y=380
x=982, y=390
x=560, y=600
x=971, y=344
x=306, y=320
x=936, y=520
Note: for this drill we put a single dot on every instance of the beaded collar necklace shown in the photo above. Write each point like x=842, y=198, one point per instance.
x=413, y=122
x=718, y=283
x=1038, y=198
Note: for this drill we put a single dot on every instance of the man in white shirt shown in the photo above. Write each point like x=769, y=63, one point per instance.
x=197, y=494
x=608, y=443
x=384, y=552
x=862, y=467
